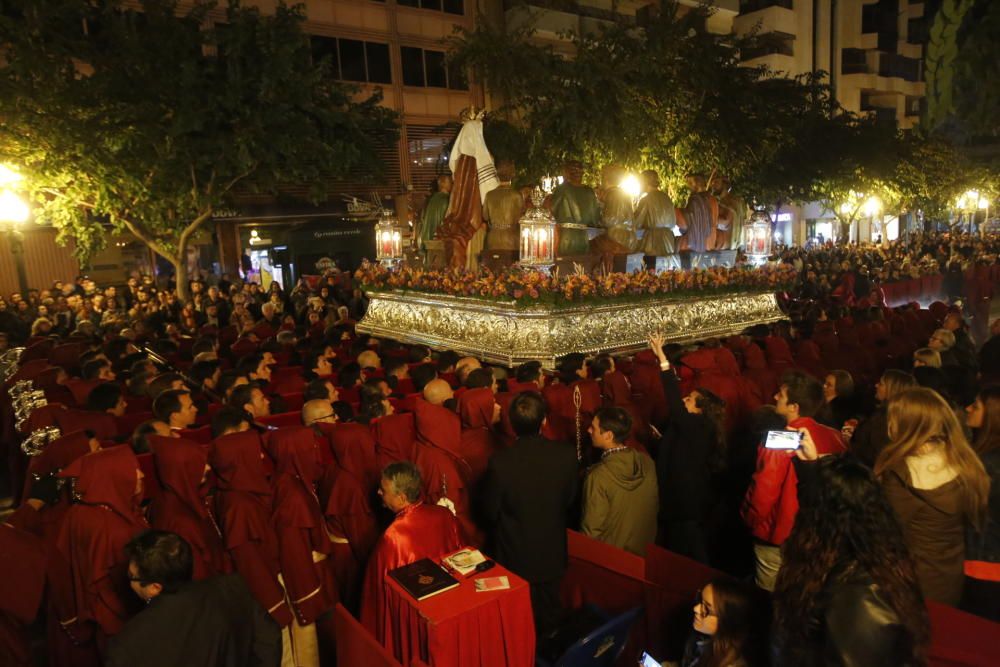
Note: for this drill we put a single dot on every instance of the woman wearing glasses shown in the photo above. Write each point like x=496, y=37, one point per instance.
x=731, y=621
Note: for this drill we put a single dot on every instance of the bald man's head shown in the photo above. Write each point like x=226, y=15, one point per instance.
x=465, y=366
x=369, y=359
x=437, y=392
x=318, y=410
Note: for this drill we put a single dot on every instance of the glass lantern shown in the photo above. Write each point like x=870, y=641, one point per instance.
x=757, y=237
x=538, y=234
x=388, y=239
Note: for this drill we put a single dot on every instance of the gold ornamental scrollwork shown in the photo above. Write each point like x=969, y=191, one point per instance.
x=499, y=332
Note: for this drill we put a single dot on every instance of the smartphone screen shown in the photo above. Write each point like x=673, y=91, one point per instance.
x=648, y=661
x=783, y=440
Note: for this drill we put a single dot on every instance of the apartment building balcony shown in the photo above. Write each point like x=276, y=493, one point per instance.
x=770, y=15
x=551, y=19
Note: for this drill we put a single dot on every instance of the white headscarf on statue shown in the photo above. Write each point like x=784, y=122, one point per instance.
x=470, y=142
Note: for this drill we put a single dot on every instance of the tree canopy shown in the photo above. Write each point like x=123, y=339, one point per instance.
x=149, y=121
x=671, y=96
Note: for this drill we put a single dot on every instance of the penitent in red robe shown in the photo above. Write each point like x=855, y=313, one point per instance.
x=345, y=495
x=444, y=472
x=23, y=554
x=418, y=531
x=395, y=438
x=475, y=408
x=243, y=506
x=94, y=597
x=182, y=505
x=299, y=524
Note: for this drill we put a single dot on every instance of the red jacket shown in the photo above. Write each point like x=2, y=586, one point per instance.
x=772, y=500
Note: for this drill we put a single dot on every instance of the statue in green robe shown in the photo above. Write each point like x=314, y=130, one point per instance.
x=575, y=208
x=656, y=214
x=434, y=211
x=502, y=211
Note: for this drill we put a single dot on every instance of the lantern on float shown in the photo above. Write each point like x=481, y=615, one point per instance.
x=388, y=239
x=757, y=237
x=538, y=230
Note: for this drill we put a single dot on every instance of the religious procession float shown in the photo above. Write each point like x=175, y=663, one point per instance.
x=513, y=275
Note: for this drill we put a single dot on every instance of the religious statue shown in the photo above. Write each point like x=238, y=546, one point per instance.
x=502, y=209
x=656, y=215
x=462, y=230
x=732, y=215
x=575, y=208
x=434, y=211
x=617, y=214
x=701, y=214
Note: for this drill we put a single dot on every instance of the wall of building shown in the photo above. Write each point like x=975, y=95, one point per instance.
x=44, y=260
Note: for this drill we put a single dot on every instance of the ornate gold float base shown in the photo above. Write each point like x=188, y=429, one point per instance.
x=501, y=333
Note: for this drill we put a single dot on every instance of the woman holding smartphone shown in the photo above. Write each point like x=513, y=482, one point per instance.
x=691, y=450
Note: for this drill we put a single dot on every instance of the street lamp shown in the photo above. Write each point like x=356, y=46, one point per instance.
x=14, y=211
x=969, y=203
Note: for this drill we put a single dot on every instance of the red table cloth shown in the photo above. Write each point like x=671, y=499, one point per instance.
x=462, y=627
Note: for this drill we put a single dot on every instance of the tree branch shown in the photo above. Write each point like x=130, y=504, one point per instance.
x=149, y=240
x=191, y=229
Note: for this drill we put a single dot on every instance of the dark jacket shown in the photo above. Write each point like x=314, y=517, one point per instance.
x=854, y=627
x=209, y=623
x=985, y=545
x=527, y=493
x=871, y=437
x=682, y=461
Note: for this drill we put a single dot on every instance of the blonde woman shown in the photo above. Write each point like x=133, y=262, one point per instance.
x=872, y=435
x=936, y=484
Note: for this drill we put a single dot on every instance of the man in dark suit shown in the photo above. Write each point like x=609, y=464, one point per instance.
x=210, y=623
x=527, y=493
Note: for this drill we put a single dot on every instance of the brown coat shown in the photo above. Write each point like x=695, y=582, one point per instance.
x=933, y=523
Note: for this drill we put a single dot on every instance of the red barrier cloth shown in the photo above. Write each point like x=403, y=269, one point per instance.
x=959, y=639
x=462, y=627
x=355, y=645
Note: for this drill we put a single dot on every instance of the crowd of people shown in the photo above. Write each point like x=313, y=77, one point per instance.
x=244, y=461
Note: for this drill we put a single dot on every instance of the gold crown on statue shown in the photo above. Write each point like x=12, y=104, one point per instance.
x=472, y=113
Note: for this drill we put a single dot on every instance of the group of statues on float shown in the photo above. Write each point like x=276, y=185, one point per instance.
x=607, y=222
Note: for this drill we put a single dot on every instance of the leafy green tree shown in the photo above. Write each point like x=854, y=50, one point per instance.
x=149, y=121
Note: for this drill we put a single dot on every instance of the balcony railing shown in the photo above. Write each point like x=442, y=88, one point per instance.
x=747, y=6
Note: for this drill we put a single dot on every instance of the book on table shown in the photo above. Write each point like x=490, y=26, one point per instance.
x=423, y=579
x=465, y=561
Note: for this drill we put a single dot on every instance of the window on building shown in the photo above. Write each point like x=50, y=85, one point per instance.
x=428, y=147
x=426, y=68
x=853, y=61
x=352, y=59
x=747, y=6
x=916, y=31
x=449, y=6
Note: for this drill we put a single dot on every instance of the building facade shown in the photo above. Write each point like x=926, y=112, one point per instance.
x=871, y=50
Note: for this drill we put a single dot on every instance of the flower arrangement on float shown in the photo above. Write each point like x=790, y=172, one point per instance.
x=527, y=287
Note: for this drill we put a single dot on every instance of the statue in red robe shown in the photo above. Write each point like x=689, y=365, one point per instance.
x=182, y=505
x=419, y=531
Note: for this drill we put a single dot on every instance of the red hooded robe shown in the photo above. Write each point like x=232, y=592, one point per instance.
x=182, y=505
x=298, y=521
x=92, y=543
x=475, y=408
x=243, y=507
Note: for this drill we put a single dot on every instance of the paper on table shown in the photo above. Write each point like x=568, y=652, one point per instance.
x=492, y=584
x=465, y=561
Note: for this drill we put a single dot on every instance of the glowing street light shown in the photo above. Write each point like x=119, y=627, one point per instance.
x=872, y=207
x=9, y=176
x=12, y=208
x=971, y=200
x=630, y=185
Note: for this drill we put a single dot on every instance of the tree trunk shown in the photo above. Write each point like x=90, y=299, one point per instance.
x=181, y=271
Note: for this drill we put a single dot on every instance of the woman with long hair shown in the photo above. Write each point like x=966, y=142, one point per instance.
x=872, y=435
x=847, y=592
x=982, y=557
x=731, y=620
x=692, y=450
x=937, y=485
